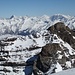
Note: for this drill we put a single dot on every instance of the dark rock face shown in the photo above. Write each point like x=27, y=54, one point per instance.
x=47, y=57
x=63, y=32
x=57, y=27
x=50, y=49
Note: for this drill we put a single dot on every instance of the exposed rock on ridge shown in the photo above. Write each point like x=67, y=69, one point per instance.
x=63, y=32
x=54, y=53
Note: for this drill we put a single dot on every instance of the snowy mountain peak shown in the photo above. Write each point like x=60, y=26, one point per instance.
x=59, y=17
x=13, y=16
x=16, y=25
x=45, y=16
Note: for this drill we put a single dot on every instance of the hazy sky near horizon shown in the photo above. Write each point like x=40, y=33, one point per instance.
x=36, y=7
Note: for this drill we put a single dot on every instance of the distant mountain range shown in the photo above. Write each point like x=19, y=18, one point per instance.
x=27, y=25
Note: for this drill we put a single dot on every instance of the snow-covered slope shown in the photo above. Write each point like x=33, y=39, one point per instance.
x=66, y=72
x=26, y=25
x=21, y=38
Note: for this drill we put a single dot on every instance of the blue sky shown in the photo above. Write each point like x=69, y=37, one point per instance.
x=36, y=7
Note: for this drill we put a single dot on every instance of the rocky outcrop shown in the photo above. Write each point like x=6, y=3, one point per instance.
x=63, y=32
x=47, y=56
x=51, y=55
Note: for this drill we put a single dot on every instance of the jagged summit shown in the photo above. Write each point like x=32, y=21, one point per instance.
x=13, y=16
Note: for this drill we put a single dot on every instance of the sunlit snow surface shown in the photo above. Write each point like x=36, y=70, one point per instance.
x=30, y=25
x=66, y=72
x=26, y=24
